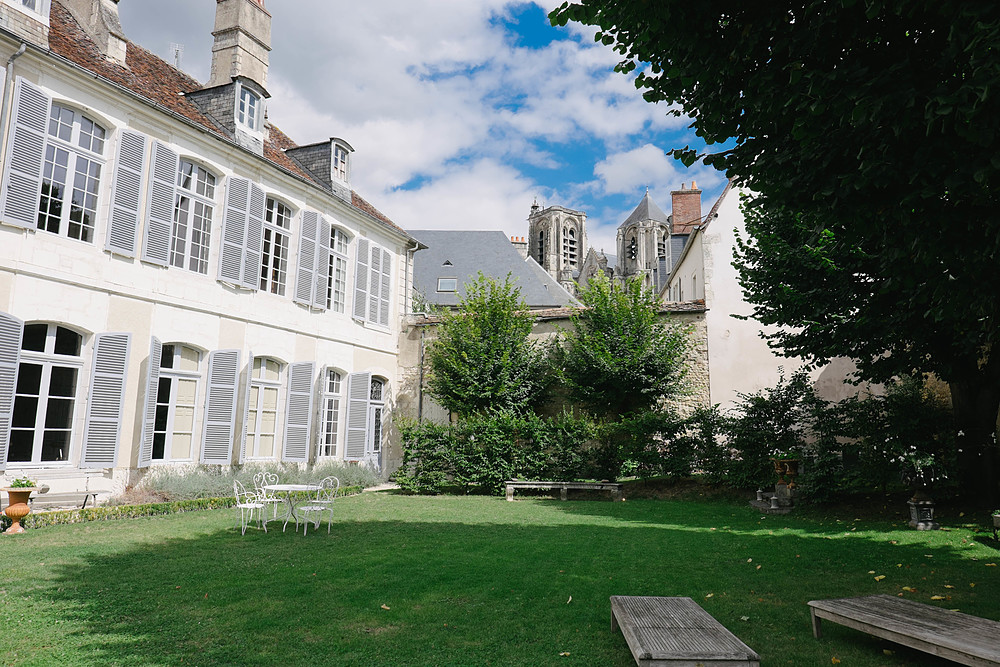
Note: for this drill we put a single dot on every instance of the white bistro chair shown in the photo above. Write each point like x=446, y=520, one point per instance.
x=323, y=502
x=247, y=503
x=262, y=479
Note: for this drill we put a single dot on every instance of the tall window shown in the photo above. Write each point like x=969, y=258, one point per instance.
x=45, y=394
x=336, y=291
x=248, y=111
x=262, y=412
x=340, y=166
x=377, y=413
x=569, y=246
x=541, y=249
x=274, y=254
x=189, y=243
x=71, y=175
x=173, y=427
x=330, y=410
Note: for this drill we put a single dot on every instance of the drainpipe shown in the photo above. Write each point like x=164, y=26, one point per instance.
x=420, y=385
x=7, y=92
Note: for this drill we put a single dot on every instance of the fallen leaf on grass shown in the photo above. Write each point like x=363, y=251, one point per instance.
x=937, y=597
x=710, y=595
x=948, y=586
x=744, y=618
x=991, y=565
x=887, y=651
x=564, y=653
x=570, y=599
x=759, y=566
x=835, y=661
x=880, y=577
x=909, y=590
x=871, y=571
x=386, y=607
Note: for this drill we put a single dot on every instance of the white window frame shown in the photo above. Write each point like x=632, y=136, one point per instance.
x=340, y=163
x=261, y=384
x=331, y=414
x=336, y=292
x=443, y=285
x=175, y=374
x=48, y=360
x=200, y=198
x=249, y=108
x=39, y=12
x=274, y=254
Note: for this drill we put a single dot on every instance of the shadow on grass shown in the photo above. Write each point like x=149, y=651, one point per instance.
x=483, y=588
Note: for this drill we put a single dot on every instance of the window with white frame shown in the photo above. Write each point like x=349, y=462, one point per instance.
x=274, y=252
x=330, y=412
x=173, y=425
x=262, y=409
x=71, y=174
x=193, y=210
x=447, y=285
x=39, y=7
x=336, y=292
x=248, y=109
x=376, y=415
x=45, y=394
x=341, y=166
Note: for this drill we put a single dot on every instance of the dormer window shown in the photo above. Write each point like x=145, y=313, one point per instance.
x=40, y=7
x=248, y=111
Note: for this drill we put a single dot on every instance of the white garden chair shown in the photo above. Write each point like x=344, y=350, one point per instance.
x=323, y=502
x=247, y=503
x=261, y=480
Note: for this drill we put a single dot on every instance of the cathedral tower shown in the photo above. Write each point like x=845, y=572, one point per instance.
x=557, y=240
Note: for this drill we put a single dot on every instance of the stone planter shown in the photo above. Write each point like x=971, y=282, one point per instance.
x=17, y=508
x=996, y=525
x=922, y=511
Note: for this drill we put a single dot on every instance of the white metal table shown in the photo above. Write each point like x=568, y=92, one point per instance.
x=289, y=491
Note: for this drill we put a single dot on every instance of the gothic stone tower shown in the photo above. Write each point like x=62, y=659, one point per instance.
x=557, y=240
x=643, y=241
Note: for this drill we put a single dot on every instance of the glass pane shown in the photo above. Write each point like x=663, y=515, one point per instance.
x=29, y=379
x=58, y=413
x=167, y=356
x=186, y=392
x=55, y=446
x=180, y=446
x=19, y=449
x=63, y=381
x=190, y=358
x=266, y=446
x=270, y=398
x=162, y=416
x=68, y=342
x=33, y=337
x=376, y=394
x=25, y=412
x=159, y=445
x=183, y=419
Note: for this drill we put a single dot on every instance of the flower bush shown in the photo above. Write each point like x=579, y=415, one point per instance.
x=22, y=483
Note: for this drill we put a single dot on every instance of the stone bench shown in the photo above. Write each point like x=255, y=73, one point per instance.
x=42, y=501
x=965, y=639
x=564, y=487
x=662, y=631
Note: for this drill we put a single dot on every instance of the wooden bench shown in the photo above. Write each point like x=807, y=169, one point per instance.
x=613, y=487
x=663, y=631
x=968, y=640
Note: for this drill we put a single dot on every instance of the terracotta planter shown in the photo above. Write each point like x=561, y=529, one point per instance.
x=17, y=508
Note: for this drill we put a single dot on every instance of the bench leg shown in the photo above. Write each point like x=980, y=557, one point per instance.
x=562, y=493
x=510, y=493
x=817, y=627
x=614, y=621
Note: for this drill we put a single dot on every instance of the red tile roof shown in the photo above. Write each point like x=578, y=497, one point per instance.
x=152, y=78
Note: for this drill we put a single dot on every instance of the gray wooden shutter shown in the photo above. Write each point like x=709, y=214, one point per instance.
x=149, y=410
x=234, y=230
x=246, y=408
x=298, y=412
x=22, y=186
x=123, y=224
x=160, y=208
x=220, y=407
x=386, y=288
x=375, y=284
x=105, y=401
x=10, y=354
x=358, y=398
x=323, y=230
x=361, y=280
x=255, y=237
x=305, y=277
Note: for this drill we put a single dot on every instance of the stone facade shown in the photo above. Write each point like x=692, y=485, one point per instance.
x=23, y=23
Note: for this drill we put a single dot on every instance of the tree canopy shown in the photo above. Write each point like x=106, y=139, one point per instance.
x=866, y=133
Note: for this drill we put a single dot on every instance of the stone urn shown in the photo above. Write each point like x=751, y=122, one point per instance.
x=17, y=508
x=996, y=525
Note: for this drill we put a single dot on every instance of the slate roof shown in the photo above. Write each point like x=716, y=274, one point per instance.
x=163, y=86
x=469, y=252
x=646, y=210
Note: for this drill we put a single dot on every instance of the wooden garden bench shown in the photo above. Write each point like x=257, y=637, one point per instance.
x=965, y=639
x=613, y=487
x=663, y=631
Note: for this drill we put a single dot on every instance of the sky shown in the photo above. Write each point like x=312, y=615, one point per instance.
x=461, y=113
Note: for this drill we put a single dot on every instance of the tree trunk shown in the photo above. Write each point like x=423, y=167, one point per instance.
x=976, y=402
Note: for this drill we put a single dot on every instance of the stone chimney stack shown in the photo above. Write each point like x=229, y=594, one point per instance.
x=99, y=18
x=242, y=42
x=521, y=245
x=685, y=209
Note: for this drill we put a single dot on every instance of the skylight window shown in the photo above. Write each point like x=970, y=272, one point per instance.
x=447, y=285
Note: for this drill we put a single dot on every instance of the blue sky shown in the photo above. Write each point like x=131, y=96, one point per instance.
x=461, y=113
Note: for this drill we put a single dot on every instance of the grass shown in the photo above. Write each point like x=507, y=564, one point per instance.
x=406, y=580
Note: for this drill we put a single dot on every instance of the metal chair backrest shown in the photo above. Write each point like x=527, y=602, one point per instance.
x=242, y=495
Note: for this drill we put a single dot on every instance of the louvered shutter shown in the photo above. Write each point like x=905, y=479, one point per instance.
x=105, y=401
x=358, y=397
x=160, y=208
x=298, y=412
x=305, y=277
x=386, y=288
x=22, y=186
x=234, y=230
x=220, y=407
x=246, y=409
x=10, y=353
x=323, y=230
x=149, y=410
x=255, y=237
x=375, y=284
x=123, y=224
x=361, y=280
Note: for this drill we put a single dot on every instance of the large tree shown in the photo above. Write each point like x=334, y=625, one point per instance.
x=867, y=133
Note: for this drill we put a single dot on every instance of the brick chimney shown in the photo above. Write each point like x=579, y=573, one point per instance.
x=521, y=245
x=242, y=42
x=99, y=18
x=685, y=209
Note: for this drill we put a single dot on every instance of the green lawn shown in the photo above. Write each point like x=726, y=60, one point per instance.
x=463, y=581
